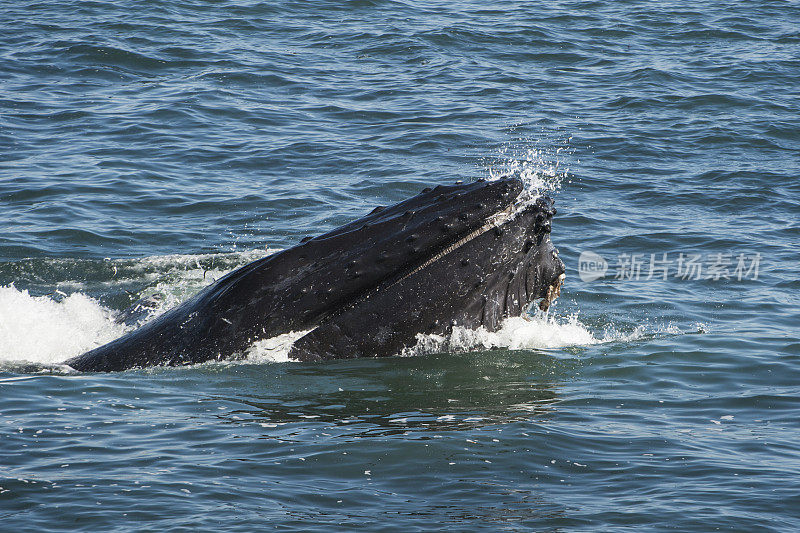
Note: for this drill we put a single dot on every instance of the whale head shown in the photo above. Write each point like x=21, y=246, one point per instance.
x=463, y=255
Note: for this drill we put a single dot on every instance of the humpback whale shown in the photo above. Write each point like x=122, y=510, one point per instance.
x=458, y=255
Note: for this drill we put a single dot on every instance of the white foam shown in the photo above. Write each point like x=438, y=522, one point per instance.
x=542, y=331
x=43, y=330
x=274, y=350
x=516, y=333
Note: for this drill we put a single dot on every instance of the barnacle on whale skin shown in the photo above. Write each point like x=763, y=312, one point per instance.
x=553, y=291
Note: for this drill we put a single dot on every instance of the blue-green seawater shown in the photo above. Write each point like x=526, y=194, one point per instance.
x=147, y=147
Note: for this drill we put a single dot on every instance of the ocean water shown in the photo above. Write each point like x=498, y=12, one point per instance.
x=148, y=147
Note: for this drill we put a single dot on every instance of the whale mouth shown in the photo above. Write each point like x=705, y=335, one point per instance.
x=553, y=291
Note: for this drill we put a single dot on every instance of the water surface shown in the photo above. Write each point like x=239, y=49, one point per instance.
x=147, y=148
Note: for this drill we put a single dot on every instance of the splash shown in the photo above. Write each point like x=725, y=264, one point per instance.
x=540, y=165
x=44, y=330
x=541, y=331
x=536, y=332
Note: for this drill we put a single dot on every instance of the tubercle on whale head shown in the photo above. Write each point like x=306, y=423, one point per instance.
x=544, y=217
x=460, y=206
